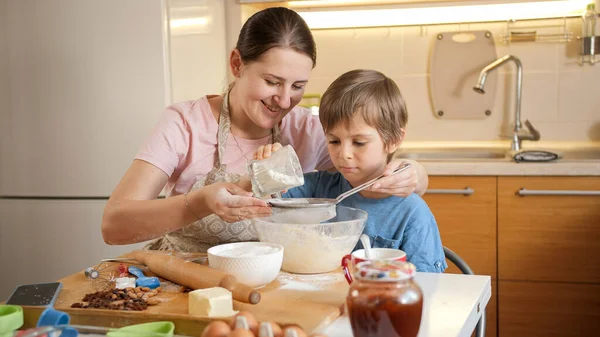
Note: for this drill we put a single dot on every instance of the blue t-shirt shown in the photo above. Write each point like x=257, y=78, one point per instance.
x=393, y=222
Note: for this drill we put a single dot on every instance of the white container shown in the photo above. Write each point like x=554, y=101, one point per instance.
x=253, y=263
x=281, y=171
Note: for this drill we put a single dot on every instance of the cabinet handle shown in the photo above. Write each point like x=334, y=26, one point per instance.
x=465, y=191
x=524, y=192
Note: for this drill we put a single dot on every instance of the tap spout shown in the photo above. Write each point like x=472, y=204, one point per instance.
x=483, y=77
x=518, y=88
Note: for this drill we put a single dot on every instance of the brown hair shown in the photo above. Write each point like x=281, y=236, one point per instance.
x=372, y=94
x=275, y=27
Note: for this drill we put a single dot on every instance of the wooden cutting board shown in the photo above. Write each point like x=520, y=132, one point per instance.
x=311, y=301
x=456, y=61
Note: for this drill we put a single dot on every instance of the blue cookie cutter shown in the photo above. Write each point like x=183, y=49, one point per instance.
x=52, y=318
x=142, y=280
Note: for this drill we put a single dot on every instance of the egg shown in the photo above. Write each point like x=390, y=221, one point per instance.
x=241, y=333
x=299, y=331
x=216, y=329
x=250, y=319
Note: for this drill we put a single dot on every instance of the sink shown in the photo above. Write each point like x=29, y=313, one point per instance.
x=453, y=154
x=583, y=154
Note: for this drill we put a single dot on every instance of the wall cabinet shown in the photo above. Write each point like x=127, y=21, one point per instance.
x=465, y=210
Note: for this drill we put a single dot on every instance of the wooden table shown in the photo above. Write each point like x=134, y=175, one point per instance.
x=310, y=301
x=453, y=304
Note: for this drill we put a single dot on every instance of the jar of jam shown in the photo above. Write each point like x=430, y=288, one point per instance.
x=384, y=300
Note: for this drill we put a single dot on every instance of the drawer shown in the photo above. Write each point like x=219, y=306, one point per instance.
x=532, y=309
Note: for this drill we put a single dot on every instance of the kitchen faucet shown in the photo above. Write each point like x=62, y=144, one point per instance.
x=516, y=137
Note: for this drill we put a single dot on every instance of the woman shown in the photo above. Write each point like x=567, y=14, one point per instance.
x=191, y=154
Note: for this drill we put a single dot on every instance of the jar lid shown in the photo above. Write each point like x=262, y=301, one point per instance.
x=385, y=271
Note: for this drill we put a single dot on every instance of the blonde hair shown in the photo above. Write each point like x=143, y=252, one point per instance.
x=373, y=95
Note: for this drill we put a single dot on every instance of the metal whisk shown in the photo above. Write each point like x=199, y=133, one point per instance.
x=101, y=277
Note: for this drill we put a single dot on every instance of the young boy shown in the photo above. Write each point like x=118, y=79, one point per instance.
x=364, y=118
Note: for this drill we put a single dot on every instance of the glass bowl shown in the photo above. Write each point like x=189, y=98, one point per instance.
x=312, y=248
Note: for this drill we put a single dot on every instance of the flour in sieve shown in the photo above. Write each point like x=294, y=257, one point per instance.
x=302, y=215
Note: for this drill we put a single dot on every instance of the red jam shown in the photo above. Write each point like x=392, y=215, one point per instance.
x=384, y=300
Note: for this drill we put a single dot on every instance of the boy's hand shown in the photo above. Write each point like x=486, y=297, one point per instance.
x=265, y=151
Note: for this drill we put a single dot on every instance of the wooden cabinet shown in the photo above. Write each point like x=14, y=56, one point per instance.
x=544, y=309
x=465, y=210
x=548, y=261
x=538, y=237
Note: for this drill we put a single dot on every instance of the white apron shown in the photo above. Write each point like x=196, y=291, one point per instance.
x=212, y=230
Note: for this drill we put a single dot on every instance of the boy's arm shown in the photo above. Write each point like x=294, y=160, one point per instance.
x=422, y=243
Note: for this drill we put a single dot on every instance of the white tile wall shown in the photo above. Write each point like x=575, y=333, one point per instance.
x=560, y=97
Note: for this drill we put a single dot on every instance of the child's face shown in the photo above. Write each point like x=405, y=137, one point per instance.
x=357, y=150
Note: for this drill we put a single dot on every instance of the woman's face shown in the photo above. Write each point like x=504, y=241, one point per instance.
x=267, y=89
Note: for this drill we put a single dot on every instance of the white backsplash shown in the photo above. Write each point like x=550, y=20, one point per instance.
x=560, y=98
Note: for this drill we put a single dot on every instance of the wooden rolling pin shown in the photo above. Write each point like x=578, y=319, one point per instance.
x=195, y=276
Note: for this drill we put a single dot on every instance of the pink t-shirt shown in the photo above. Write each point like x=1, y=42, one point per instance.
x=184, y=144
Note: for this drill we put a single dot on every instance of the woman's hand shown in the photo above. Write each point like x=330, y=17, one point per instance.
x=229, y=202
x=265, y=151
x=402, y=184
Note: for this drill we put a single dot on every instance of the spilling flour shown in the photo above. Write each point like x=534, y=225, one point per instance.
x=309, y=282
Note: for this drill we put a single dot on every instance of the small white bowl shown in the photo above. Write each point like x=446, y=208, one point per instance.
x=253, y=263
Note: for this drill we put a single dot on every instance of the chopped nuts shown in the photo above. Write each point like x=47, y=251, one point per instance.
x=138, y=298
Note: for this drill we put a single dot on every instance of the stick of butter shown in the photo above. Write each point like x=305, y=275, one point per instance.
x=211, y=302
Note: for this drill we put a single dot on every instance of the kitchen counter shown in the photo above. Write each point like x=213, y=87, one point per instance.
x=495, y=158
x=480, y=168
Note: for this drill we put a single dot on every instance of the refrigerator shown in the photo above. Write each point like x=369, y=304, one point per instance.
x=82, y=84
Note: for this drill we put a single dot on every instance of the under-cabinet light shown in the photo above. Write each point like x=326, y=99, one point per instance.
x=349, y=18
x=177, y=23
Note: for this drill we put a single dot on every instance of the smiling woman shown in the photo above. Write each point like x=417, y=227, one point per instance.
x=191, y=156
